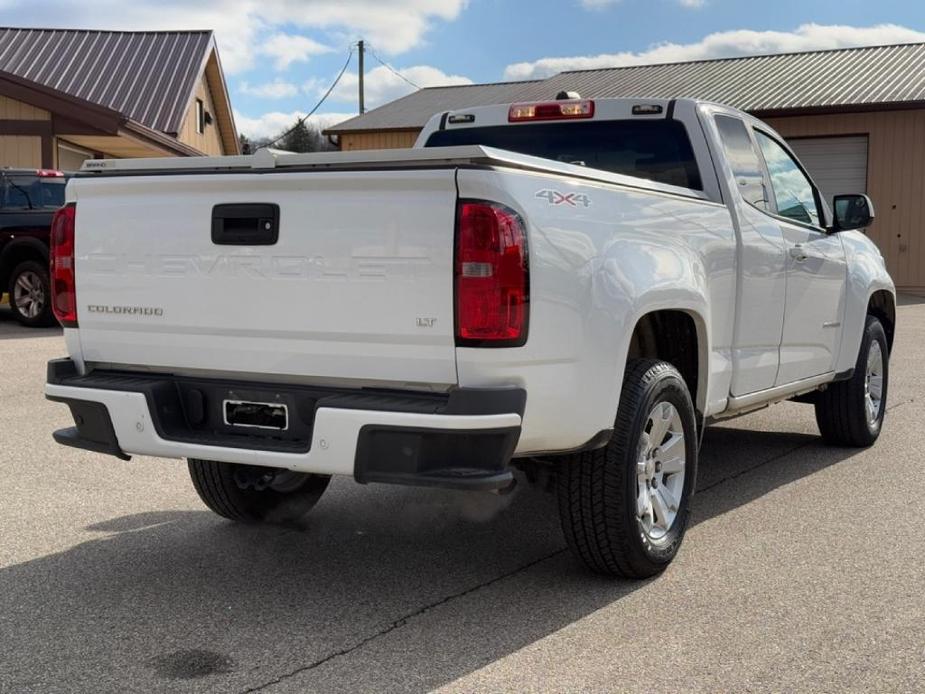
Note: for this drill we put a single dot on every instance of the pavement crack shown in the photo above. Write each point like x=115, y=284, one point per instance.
x=892, y=407
x=402, y=621
x=407, y=618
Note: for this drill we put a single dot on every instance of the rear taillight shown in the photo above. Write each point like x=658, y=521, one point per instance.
x=551, y=110
x=63, y=286
x=492, y=279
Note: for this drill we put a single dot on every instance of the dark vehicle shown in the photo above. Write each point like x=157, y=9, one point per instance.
x=28, y=200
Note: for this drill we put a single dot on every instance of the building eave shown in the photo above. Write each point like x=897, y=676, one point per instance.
x=839, y=109
x=161, y=140
x=358, y=131
x=74, y=108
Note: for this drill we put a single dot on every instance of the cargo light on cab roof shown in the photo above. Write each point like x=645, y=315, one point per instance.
x=551, y=110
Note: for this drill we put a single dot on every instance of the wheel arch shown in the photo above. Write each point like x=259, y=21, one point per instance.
x=678, y=336
x=882, y=305
x=17, y=251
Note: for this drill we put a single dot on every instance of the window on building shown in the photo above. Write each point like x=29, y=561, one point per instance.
x=200, y=117
x=793, y=190
x=744, y=159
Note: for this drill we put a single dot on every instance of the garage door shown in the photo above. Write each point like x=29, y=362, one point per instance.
x=838, y=165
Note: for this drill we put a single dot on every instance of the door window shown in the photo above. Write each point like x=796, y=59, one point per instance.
x=744, y=160
x=796, y=198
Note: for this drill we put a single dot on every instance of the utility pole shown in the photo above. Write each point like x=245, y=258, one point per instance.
x=362, y=104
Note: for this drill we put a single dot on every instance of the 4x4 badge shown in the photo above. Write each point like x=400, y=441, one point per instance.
x=555, y=197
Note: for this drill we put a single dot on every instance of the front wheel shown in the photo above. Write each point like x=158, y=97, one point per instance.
x=625, y=507
x=30, y=294
x=850, y=413
x=252, y=494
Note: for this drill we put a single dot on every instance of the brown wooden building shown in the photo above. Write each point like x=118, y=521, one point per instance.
x=70, y=95
x=855, y=117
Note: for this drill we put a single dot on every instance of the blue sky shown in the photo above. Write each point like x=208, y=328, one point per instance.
x=281, y=55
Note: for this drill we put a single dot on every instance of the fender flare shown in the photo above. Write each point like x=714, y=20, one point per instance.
x=866, y=276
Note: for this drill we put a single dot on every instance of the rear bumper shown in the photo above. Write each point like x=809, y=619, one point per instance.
x=462, y=439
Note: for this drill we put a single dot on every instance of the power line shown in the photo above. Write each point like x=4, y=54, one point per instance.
x=392, y=69
x=318, y=105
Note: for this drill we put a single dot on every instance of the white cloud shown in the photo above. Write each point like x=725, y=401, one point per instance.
x=291, y=48
x=276, y=122
x=242, y=26
x=726, y=44
x=693, y=4
x=277, y=89
x=381, y=85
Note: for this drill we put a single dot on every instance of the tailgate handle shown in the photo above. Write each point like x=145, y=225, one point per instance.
x=245, y=224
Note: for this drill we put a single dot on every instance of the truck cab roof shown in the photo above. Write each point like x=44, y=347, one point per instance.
x=642, y=108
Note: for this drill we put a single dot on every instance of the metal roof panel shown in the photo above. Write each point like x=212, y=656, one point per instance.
x=836, y=78
x=139, y=74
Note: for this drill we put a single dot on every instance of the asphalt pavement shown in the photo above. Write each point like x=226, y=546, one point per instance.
x=804, y=570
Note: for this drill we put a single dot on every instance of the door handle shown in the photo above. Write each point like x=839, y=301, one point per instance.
x=797, y=253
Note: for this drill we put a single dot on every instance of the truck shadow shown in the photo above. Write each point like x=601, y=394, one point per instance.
x=415, y=587
x=10, y=329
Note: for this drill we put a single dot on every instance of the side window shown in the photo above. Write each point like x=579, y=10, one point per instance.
x=746, y=165
x=200, y=117
x=792, y=189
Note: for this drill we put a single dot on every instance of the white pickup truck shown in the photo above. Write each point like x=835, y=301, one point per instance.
x=577, y=287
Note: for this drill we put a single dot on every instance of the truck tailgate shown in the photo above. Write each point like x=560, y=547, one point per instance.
x=358, y=284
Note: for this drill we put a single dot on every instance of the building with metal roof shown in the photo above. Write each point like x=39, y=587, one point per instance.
x=68, y=95
x=855, y=117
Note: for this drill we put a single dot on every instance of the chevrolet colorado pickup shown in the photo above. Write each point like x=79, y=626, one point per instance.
x=575, y=288
x=28, y=200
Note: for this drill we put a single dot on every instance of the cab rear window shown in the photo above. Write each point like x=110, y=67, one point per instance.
x=26, y=192
x=658, y=150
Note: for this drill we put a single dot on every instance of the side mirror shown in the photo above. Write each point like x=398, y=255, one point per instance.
x=852, y=212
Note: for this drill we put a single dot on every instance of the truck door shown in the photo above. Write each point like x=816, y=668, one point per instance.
x=816, y=268
x=762, y=266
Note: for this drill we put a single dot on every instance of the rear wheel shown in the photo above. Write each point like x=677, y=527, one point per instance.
x=30, y=294
x=850, y=413
x=252, y=494
x=625, y=507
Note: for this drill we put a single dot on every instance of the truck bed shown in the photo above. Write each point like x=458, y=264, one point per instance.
x=358, y=281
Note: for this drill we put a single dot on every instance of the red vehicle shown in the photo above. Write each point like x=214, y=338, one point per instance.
x=28, y=200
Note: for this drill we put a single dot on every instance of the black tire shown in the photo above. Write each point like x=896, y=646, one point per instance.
x=251, y=494
x=597, y=490
x=841, y=409
x=22, y=301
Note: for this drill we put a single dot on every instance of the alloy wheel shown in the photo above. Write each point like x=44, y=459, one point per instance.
x=660, y=471
x=873, y=383
x=29, y=294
